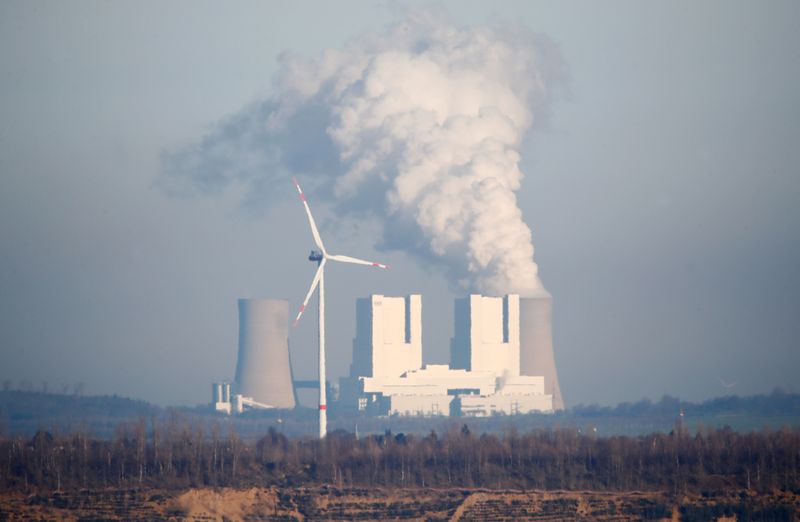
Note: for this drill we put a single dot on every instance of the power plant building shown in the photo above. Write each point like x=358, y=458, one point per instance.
x=388, y=339
x=501, y=359
x=221, y=396
x=486, y=334
x=387, y=376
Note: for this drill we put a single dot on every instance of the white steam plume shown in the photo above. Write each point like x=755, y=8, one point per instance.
x=424, y=124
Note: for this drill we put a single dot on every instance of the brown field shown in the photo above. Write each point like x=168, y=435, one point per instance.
x=327, y=503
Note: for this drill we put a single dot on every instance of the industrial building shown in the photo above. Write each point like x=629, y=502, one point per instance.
x=388, y=338
x=387, y=376
x=221, y=396
x=501, y=359
x=486, y=334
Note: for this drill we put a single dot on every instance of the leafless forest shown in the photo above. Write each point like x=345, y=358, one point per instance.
x=176, y=454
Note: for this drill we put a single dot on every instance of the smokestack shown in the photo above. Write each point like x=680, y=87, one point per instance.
x=536, y=344
x=262, y=370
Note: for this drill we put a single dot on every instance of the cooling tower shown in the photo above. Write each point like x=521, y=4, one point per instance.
x=536, y=344
x=262, y=370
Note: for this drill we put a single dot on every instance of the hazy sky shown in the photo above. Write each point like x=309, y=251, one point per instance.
x=663, y=195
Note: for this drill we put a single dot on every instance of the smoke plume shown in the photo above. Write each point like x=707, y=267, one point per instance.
x=418, y=127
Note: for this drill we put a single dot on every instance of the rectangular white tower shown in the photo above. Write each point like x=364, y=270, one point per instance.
x=388, y=340
x=487, y=334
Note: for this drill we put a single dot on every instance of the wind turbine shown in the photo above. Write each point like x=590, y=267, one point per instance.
x=321, y=257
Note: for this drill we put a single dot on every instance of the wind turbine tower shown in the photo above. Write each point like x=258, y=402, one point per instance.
x=321, y=257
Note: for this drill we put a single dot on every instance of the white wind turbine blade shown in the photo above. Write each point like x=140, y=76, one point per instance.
x=314, y=284
x=314, y=231
x=354, y=260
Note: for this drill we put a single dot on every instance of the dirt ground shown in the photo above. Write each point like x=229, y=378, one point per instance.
x=327, y=503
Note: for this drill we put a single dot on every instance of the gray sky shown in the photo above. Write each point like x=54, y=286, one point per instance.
x=662, y=193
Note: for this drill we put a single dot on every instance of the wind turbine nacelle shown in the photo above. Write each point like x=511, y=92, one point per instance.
x=315, y=256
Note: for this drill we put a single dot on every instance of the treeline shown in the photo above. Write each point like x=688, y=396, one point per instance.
x=24, y=413
x=778, y=402
x=175, y=454
x=28, y=411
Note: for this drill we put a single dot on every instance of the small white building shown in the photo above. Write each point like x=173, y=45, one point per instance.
x=474, y=406
x=221, y=396
x=387, y=376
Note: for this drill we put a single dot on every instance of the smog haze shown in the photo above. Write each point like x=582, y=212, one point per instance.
x=648, y=151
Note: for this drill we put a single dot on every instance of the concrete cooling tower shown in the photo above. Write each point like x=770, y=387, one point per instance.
x=536, y=344
x=262, y=369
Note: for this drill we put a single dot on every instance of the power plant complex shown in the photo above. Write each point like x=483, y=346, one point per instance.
x=501, y=359
x=501, y=354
